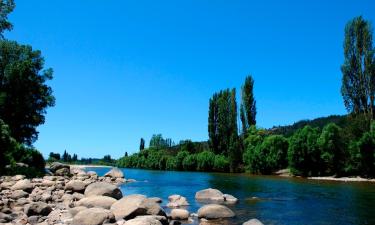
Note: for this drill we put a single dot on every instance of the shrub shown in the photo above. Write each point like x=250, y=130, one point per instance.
x=221, y=163
x=205, y=161
x=190, y=162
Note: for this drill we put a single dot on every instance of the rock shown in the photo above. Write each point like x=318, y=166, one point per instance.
x=74, y=211
x=24, y=185
x=135, y=205
x=7, y=184
x=115, y=173
x=59, y=216
x=62, y=172
x=96, y=202
x=156, y=199
x=77, y=196
x=215, y=211
x=143, y=220
x=253, y=222
x=17, y=194
x=37, y=208
x=105, y=189
x=177, y=201
x=5, y=218
x=33, y=219
x=230, y=199
x=18, y=177
x=214, y=195
x=55, y=166
x=75, y=186
x=93, y=216
x=92, y=173
x=179, y=214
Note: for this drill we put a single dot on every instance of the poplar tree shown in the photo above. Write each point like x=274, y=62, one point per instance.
x=248, y=105
x=358, y=70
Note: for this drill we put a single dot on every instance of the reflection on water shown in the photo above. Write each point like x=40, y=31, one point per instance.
x=273, y=200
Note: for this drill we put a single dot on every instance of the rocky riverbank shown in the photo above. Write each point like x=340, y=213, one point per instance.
x=71, y=196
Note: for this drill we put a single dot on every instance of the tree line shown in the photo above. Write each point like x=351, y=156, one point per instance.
x=344, y=147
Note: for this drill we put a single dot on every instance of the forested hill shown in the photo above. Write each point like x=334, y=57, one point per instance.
x=288, y=130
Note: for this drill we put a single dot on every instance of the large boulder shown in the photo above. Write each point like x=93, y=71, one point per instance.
x=55, y=166
x=24, y=185
x=75, y=186
x=179, y=214
x=37, y=208
x=143, y=220
x=215, y=196
x=96, y=202
x=215, y=211
x=115, y=173
x=62, y=172
x=93, y=216
x=105, y=189
x=177, y=201
x=135, y=205
x=209, y=194
x=253, y=222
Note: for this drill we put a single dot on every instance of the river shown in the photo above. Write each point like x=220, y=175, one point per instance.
x=271, y=199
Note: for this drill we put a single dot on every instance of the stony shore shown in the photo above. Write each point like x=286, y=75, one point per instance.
x=72, y=196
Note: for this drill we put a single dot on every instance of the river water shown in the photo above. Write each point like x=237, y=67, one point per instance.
x=271, y=199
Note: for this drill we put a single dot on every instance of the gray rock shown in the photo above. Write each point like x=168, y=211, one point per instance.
x=115, y=173
x=215, y=211
x=132, y=206
x=230, y=199
x=62, y=172
x=93, y=216
x=105, y=189
x=55, y=166
x=24, y=185
x=17, y=194
x=179, y=214
x=37, y=208
x=74, y=211
x=143, y=220
x=209, y=194
x=96, y=202
x=253, y=222
x=75, y=186
x=177, y=201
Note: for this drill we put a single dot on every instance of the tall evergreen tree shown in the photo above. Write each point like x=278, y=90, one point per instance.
x=248, y=105
x=358, y=80
x=213, y=131
x=142, y=144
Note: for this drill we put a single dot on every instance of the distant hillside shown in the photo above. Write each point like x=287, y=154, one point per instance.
x=320, y=122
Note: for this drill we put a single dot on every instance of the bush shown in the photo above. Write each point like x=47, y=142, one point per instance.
x=366, y=146
x=332, y=150
x=181, y=155
x=303, y=152
x=221, y=163
x=190, y=162
x=171, y=163
x=205, y=161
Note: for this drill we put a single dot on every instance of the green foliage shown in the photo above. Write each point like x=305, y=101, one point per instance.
x=248, y=104
x=221, y=163
x=190, y=162
x=181, y=155
x=8, y=146
x=332, y=149
x=205, y=161
x=6, y=7
x=358, y=80
x=24, y=94
x=158, y=142
x=303, y=152
x=366, y=147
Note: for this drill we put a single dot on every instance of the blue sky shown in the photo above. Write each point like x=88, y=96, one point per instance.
x=128, y=69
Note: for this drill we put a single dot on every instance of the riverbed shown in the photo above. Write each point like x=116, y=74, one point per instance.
x=271, y=199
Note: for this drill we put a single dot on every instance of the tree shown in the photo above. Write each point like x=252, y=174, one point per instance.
x=142, y=144
x=24, y=94
x=358, y=80
x=332, y=148
x=6, y=7
x=366, y=147
x=54, y=156
x=74, y=158
x=126, y=154
x=7, y=146
x=303, y=152
x=205, y=161
x=248, y=104
x=222, y=121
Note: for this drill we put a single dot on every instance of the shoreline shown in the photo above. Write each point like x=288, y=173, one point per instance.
x=88, y=166
x=343, y=179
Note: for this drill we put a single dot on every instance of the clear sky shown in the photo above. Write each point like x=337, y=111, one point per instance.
x=128, y=69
